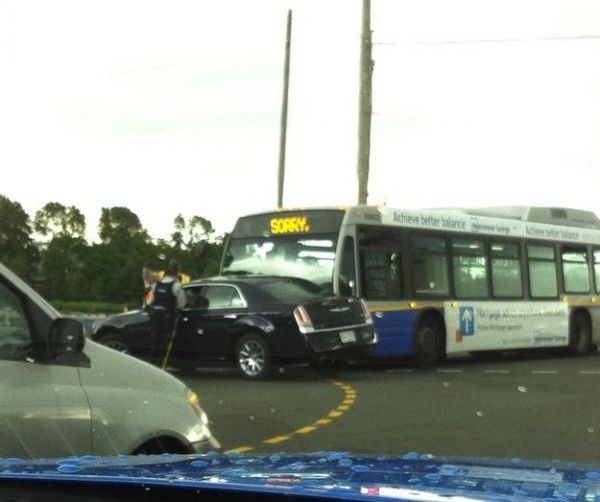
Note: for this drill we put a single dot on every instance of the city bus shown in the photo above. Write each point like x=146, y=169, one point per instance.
x=441, y=281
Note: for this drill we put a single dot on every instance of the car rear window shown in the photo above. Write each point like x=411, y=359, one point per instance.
x=288, y=291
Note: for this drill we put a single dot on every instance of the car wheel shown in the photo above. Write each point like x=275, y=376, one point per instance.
x=115, y=341
x=253, y=357
x=429, y=346
x=580, y=337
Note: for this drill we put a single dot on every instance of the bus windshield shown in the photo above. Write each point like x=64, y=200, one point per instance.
x=307, y=257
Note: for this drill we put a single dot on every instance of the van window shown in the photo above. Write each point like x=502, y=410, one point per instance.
x=15, y=337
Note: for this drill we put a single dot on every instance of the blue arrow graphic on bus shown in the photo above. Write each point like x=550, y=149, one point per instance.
x=467, y=321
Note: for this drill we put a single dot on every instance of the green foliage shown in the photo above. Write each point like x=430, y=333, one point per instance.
x=57, y=220
x=109, y=273
x=70, y=307
x=17, y=249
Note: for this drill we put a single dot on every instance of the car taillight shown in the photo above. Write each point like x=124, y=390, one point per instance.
x=303, y=319
x=366, y=313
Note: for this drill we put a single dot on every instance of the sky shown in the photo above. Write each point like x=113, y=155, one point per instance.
x=174, y=107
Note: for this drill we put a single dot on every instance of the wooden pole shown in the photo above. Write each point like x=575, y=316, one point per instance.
x=364, y=104
x=284, y=111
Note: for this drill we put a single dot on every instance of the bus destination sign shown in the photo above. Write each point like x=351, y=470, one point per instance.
x=290, y=225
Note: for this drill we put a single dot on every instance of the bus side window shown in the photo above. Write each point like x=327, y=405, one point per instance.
x=597, y=269
x=470, y=271
x=506, y=270
x=542, y=271
x=575, y=270
x=347, y=279
x=429, y=266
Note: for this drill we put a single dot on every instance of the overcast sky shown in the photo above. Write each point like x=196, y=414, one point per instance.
x=173, y=107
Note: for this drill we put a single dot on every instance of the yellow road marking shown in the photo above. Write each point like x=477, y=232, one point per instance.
x=306, y=430
x=276, y=439
x=349, y=397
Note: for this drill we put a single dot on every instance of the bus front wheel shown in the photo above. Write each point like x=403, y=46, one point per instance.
x=429, y=345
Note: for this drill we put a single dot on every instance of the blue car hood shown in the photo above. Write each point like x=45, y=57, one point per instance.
x=328, y=475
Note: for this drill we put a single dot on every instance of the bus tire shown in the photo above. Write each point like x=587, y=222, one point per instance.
x=580, y=335
x=429, y=343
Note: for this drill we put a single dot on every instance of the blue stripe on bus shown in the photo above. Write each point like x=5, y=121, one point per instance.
x=395, y=333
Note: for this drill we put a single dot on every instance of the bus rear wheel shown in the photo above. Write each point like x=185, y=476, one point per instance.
x=580, y=336
x=429, y=344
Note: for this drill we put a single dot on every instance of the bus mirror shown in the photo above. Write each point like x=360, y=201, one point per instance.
x=352, y=286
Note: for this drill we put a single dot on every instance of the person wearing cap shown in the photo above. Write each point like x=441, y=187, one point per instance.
x=169, y=298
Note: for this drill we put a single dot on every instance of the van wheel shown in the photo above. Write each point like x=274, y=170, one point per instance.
x=115, y=341
x=253, y=357
x=429, y=345
x=580, y=336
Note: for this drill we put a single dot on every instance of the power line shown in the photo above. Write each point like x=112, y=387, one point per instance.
x=491, y=41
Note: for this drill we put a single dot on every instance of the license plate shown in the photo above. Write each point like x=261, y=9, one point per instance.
x=347, y=336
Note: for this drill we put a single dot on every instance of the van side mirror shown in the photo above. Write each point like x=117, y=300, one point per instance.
x=66, y=337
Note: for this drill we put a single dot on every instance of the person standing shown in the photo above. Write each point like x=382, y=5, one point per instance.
x=169, y=298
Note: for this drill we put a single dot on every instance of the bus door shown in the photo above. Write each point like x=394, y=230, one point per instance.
x=380, y=252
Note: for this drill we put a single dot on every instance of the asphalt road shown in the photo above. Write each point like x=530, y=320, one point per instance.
x=525, y=406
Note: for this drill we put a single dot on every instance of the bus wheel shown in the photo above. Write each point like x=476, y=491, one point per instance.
x=429, y=346
x=580, y=336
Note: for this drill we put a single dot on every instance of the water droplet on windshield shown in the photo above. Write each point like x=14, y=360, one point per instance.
x=433, y=477
x=446, y=384
x=479, y=413
x=411, y=456
x=69, y=468
x=595, y=475
x=345, y=462
x=275, y=458
x=147, y=488
x=360, y=468
x=272, y=410
x=427, y=456
x=522, y=388
x=199, y=463
x=251, y=417
x=414, y=481
x=220, y=401
x=516, y=460
x=591, y=430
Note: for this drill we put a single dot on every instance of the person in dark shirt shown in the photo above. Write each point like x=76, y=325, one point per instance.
x=169, y=298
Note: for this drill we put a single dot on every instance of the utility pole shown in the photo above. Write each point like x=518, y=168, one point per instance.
x=364, y=104
x=284, y=111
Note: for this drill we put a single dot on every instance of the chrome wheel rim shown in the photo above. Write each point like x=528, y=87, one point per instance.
x=117, y=345
x=252, y=358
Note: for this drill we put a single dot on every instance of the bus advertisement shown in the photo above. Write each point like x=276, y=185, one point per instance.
x=441, y=281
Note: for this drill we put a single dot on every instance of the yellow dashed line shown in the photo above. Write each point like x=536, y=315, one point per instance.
x=306, y=430
x=276, y=439
x=349, y=397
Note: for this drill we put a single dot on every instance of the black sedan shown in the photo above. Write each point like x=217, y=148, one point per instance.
x=255, y=321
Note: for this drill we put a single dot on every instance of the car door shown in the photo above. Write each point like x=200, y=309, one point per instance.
x=43, y=409
x=208, y=326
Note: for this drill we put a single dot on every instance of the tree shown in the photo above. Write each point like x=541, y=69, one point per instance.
x=56, y=220
x=17, y=249
x=120, y=223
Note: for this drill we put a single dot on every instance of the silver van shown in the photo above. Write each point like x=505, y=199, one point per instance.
x=63, y=395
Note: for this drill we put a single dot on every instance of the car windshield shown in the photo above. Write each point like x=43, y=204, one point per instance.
x=413, y=184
